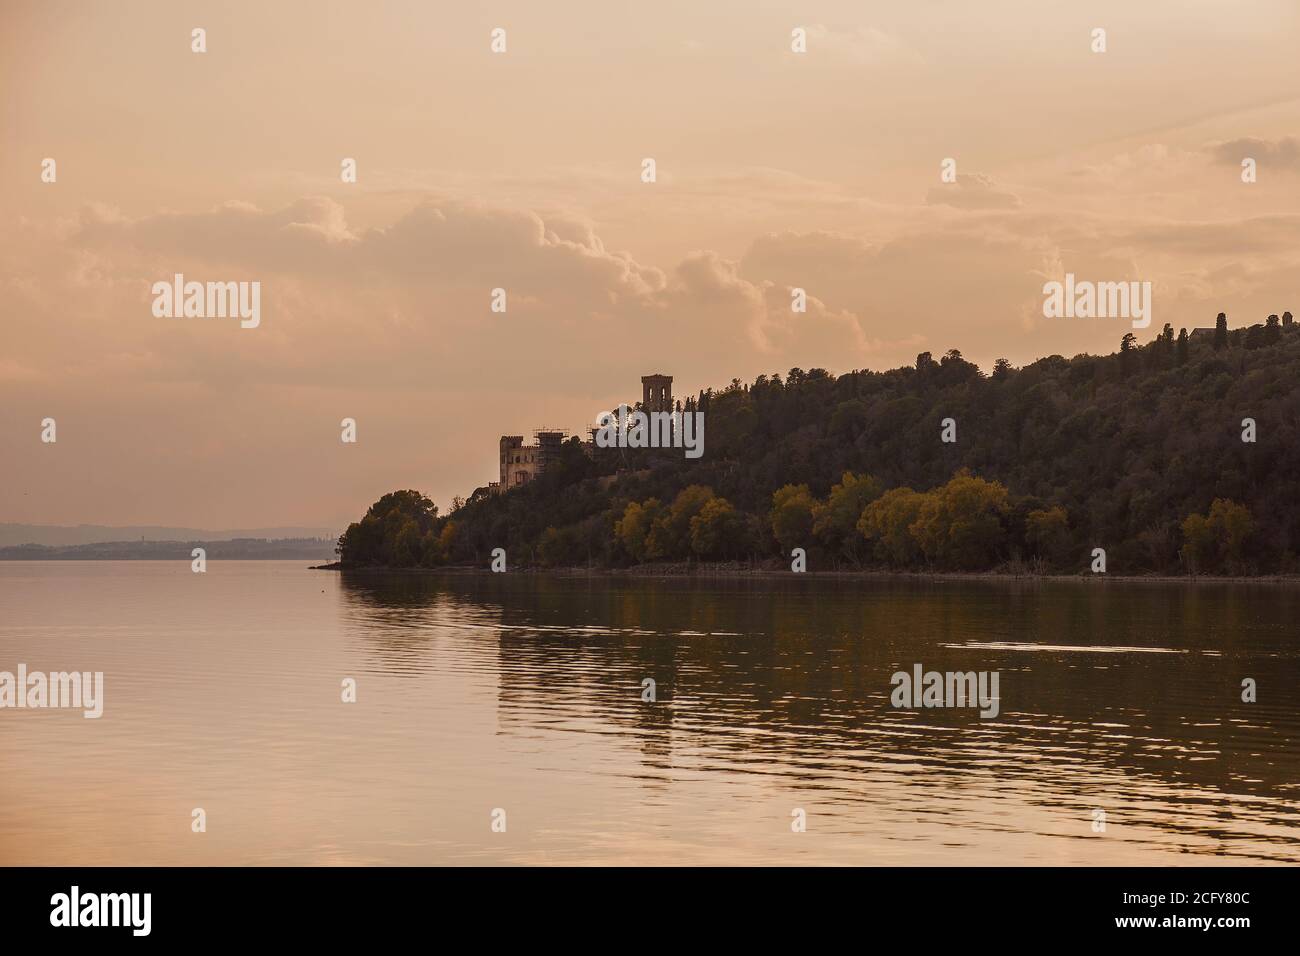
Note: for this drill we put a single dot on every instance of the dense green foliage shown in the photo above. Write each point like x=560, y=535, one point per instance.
x=1139, y=452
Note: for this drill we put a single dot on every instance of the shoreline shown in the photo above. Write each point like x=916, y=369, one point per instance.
x=724, y=572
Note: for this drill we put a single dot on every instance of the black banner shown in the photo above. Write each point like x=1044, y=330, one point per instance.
x=174, y=906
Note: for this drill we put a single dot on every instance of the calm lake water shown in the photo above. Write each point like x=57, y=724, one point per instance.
x=223, y=691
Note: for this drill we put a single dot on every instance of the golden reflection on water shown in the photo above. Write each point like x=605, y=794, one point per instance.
x=524, y=693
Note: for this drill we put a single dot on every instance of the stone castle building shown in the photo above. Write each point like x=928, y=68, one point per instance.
x=522, y=463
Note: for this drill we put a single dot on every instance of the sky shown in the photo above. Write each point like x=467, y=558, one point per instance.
x=523, y=170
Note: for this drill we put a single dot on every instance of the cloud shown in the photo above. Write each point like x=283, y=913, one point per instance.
x=931, y=281
x=405, y=304
x=705, y=282
x=1148, y=159
x=1283, y=153
x=860, y=45
x=973, y=191
x=383, y=306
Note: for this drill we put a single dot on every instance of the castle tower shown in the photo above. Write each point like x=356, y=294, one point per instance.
x=511, y=448
x=657, y=393
x=549, y=443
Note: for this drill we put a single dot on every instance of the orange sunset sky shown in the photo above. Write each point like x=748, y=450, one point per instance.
x=522, y=171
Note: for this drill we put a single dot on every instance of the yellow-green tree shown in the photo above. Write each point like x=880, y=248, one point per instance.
x=447, y=539
x=633, y=529
x=670, y=534
x=792, y=516
x=886, y=525
x=835, y=521
x=437, y=546
x=1218, y=539
x=961, y=524
x=1232, y=524
x=717, y=531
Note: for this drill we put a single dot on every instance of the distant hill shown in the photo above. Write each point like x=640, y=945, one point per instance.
x=63, y=535
x=1139, y=453
x=237, y=549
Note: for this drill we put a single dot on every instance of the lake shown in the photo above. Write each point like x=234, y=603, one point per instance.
x=524, y=694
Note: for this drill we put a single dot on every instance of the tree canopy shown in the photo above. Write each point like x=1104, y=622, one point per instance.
x=1140, y=452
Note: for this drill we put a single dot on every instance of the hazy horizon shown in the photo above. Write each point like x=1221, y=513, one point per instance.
x=14, y=533
x=522, y=170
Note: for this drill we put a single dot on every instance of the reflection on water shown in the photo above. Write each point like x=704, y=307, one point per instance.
x=525, y=693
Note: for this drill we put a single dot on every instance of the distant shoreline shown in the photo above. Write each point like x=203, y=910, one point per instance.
x=234, y=549
x=666, y=572
x=146, y=558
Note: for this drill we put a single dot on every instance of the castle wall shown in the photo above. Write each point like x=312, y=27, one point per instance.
x=520, y=463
